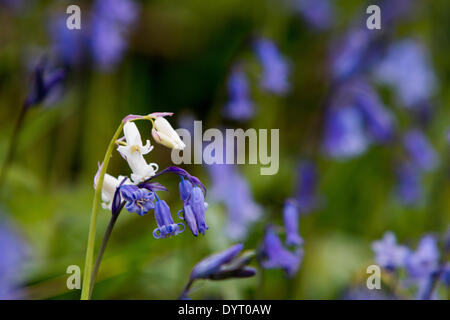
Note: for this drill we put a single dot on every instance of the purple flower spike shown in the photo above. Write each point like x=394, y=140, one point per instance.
x=276, y=70
x=240, y=107
x=291, y=218
x=388, y=254
x=137, y=200
x=274, y=255
x=420, y=150
x=166, y=226
x=212, y=264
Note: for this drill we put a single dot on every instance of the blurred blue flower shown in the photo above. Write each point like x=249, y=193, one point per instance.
x=420, y=150
x=409, y=184
x=13, y=251
x=378, y=120
x=445, y=276
x=319, y=14
x=276, y=69
x=138, y=200
x=291, y=223
x=425, y=260
x=239, y=107
x=306, y=195
x=344, y=135
x=388, y=254
x=223, y=265
x=406, y=67
x=43, y=82
x=274, y=255
x=110, y=26
x=166, y=226
x=232, y=189
x=68, y=44
x=351, y=53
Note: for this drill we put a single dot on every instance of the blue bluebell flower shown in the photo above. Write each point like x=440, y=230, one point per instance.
x=240, y=106
x=407, y=69
x=226, y=264
x=378, y=120
x=44, y=81
x=351, y=53
x=388, y=254
x=409, y=184
x=344, y=135
x=138, y=200
x=319, y=14
x=306, y=196
x=420, y=150
x=232, y=189
x=13, y=251
x=276, y=69
x=274, y=255
x=194, y=207
x=291, y=223
x=445, y=275
x=166, y=226
x=425, y=259
x=110, y=26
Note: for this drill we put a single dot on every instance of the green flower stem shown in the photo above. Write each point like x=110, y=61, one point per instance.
x=93, y=223
x=12, y=144
x=108, y=231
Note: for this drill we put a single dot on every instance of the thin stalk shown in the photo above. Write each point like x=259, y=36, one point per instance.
x=186, y=289
x=108, y=231
x=93, y=222
x=12, y=144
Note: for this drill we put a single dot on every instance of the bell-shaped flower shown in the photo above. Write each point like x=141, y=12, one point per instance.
x=194, y=207
x=164, y=134
x=133, y=151
x=166, y=226
x=138, y=200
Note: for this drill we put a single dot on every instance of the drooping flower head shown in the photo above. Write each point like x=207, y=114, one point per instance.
x=166, y=226
x=276, y=69
x=223, y=265
x=194, y=207
x=239, y=107
x=164, y=134
x=388, y=254
x=133, y=151
x=110, y=185
x=44, y=81
x=138, y=200
x=274, y=255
